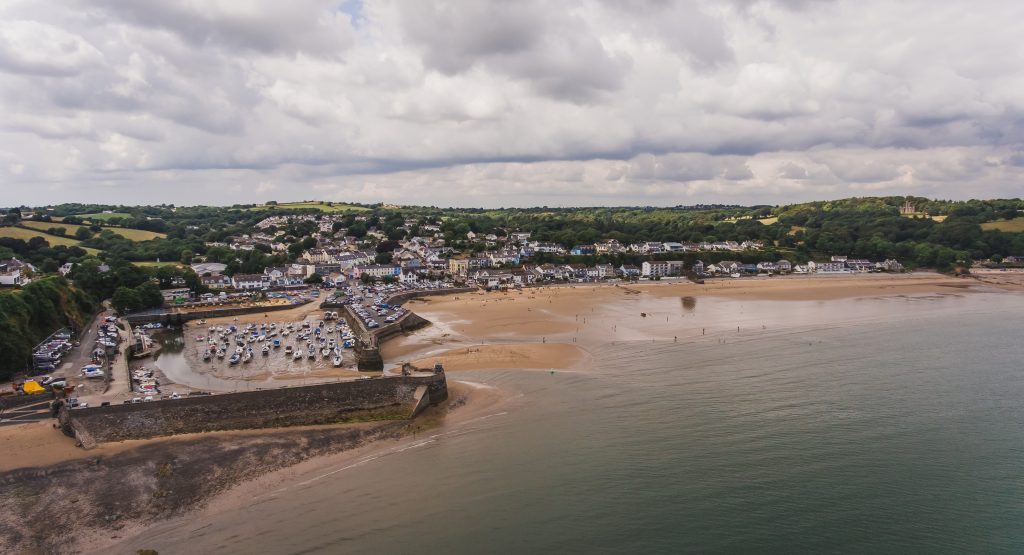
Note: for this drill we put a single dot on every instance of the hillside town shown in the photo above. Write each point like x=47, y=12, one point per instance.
x=495, y=261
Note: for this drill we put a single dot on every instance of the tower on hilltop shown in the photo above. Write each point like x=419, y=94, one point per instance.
x=908, y=208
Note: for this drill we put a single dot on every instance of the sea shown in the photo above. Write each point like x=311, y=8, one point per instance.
x=898, y=430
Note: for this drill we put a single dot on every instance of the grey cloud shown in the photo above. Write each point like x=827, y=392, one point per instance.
x=624, y=101
x=309, y=26
x=523, y=40
x=793, y=171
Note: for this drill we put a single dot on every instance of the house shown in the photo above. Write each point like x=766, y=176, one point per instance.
x=605, y=271
x=859, y=265
x=583, y=249
x=377, y=271
x=890, y=265
x=12, y=272
x=493, y=279
x=458, y=266
x=250, y=281
x=784, y=265
x=629, y=270
x=659, y=268
x=728, y=266
x=830, y=267
x=769, y=267
x=66, y=268
x=653, y=269
x=201, y=268
x=698, y=267
x=672, y=247
x=216, y=281
x=519, y=237
x=609, y=246
x=574, y=271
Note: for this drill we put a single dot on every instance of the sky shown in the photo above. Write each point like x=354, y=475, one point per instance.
x=496, y=103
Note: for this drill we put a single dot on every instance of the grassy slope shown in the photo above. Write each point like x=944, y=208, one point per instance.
x=53, y=240
x=338, y=207
x=154, y=264
x=104, y=217
x=130, y=234
x=1014, y=225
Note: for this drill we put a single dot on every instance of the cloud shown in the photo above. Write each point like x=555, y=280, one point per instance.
x=493, y=102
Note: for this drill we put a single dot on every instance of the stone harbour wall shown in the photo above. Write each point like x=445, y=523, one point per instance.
x=367, y=399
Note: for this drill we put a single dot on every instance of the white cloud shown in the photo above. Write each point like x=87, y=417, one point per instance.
x=498, y=103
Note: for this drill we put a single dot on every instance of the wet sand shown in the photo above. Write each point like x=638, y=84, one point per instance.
x=524, y=328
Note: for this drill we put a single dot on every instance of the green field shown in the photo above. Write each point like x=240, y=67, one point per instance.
x=53, y=240
x=1015, y=225
x=104, y=217
x=322, y=206
x=130, y=234
x=154, y=264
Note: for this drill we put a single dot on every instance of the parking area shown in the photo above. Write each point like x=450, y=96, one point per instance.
x=370, y=302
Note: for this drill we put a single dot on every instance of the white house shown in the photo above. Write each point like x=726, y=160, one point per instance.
x=11, y=272
x=250, y=281
x=829, y=267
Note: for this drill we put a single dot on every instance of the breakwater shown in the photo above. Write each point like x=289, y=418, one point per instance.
x=177, y=316
x=384, y=398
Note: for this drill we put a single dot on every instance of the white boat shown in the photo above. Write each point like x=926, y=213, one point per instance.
x=287, y=349
x=266, y=350
x=311, y=354
x=325, y=351
x=297, y=355
x=336, y=361
x=221, y=353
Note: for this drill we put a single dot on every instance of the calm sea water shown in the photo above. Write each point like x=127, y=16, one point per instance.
x=895, y=435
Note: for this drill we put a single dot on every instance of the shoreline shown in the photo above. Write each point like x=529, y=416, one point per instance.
x=535, y=329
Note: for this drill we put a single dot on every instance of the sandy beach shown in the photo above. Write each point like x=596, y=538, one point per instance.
x=552, y=327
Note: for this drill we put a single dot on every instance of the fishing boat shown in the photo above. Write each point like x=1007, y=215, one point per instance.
x=266, y=350
x=325, y=351
x=336, y=361
x=206, y=356
x=239, y=350
x=311, y=353
x=297, y=355
x=234, y=358
x=348, y=344
x=287, y=349
x=221, y=353
x=277, y=343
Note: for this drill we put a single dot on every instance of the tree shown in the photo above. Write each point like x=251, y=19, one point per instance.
x=384, y=258
x=125, y=299
x=186, y=256
x=314, y=278
x=149, y=295
x=83, y=233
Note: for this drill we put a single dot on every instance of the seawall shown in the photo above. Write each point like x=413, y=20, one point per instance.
x=367, y=399
x=178, y=317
